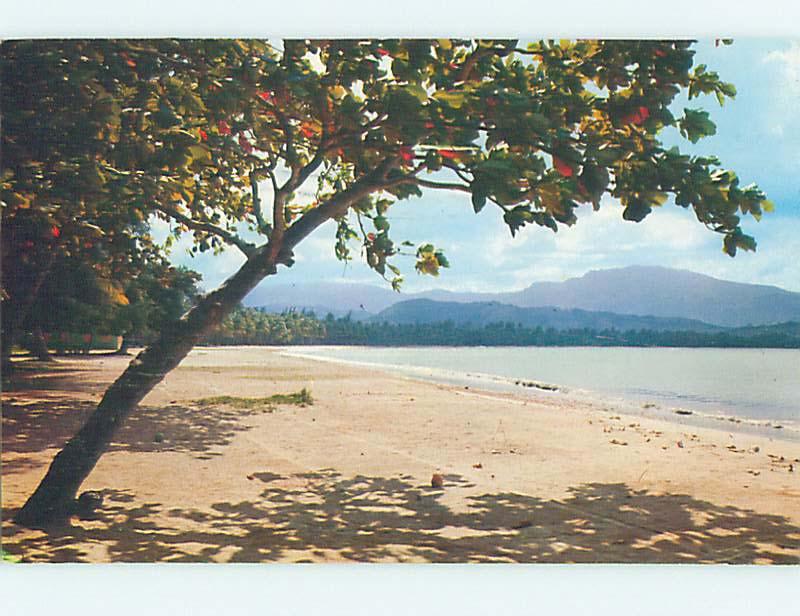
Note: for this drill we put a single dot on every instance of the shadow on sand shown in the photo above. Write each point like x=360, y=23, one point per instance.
x=368, y=519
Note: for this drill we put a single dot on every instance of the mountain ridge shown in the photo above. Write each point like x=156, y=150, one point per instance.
x=642, y=291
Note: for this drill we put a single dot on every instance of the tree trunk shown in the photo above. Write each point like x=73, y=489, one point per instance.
x=53, y=500
x=123, y=347
x=38, y=345
x=23, y=293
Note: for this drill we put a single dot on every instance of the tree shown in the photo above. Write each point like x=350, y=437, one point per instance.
x=206, y=131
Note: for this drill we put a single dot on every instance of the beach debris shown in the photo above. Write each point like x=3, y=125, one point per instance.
x=648, y=405
x=522, y=524
x=778, y=426
x=251, y=477
x=437, y=481
x=614, y=441
x=683, y=412
x=680, y=444
x=756, y=449
x=754, y=473
x=158, y=437
x=477, y=465
x=791, y=468
x=496, y=452
x=88, y=503
x=534, y=384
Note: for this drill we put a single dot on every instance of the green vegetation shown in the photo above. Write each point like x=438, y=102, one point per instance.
x=300, y=398
x=252, y=326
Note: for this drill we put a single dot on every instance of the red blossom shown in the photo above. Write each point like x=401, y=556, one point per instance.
x=382, y=52
x=264, y=95
x=407, y=153
x=203, y=135
x=637, y=117
x=563, y=168
x=371, y=237
x=55, y=231
x=449, y=154
x=127, y=58
x=223, y=128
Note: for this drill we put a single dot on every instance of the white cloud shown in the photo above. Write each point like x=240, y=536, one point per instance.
x=789, y=60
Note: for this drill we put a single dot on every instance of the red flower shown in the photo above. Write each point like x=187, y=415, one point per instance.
x=264, y=95
x=429, y=125
x=127, y=59
x=382, y=52
x=406, y=153
x=307, y=131
x=55, y=231
x=637, y=117
x=371, y=237
x=449, y=154
x=203, y=135
x=562, y=167
x=223, y=128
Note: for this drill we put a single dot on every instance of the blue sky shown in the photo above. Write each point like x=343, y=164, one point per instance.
x=758, y=136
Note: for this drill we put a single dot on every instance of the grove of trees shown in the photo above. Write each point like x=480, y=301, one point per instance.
x=217, y=139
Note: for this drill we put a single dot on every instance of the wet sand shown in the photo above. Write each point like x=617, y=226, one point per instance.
x=349, y=477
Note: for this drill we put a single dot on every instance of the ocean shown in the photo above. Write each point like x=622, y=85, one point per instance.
x=756, y=388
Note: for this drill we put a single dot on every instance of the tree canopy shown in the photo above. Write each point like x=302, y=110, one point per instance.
x=107, y=134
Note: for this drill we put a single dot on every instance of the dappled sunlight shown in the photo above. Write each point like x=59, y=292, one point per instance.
x=326, y=516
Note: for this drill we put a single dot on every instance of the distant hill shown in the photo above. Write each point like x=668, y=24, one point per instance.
x=481, y=313
x=635, y=290
x=664, y=292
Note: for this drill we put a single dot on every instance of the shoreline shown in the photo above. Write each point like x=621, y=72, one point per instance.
x=531, y=389
x=348, y=478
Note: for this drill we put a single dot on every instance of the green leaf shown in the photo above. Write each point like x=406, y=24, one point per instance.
x=696, y=124
x=636, y=210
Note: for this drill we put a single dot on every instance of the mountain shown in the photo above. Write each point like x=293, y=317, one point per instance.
x=635, y=290
x=417, y=311
x=664, y=292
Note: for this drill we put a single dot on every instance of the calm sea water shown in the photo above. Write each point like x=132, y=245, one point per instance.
x=756, y=384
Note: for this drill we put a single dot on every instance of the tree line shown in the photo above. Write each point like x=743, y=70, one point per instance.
x=252, y=326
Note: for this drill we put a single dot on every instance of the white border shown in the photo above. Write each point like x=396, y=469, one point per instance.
x=572, y=590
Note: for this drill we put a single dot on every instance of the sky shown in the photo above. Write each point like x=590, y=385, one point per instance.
x=758, y=136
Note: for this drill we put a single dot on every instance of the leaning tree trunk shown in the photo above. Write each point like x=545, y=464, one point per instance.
x=53, y=499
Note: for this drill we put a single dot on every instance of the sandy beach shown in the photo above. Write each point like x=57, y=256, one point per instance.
x=348, y=478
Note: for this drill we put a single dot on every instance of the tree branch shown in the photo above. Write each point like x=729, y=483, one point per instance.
x=443, y=185
x=231, y=238
x=339, y=204
x=262, y=224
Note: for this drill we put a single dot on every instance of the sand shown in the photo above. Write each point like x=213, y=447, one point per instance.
x=349, y=477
